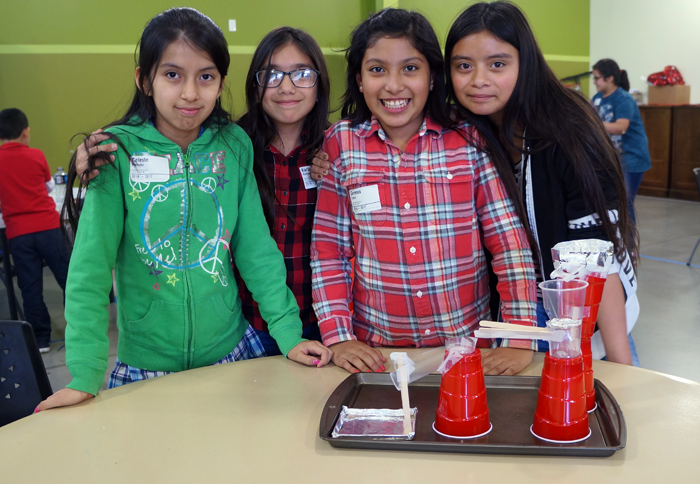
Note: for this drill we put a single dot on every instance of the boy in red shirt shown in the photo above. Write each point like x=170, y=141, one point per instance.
x=31, y=219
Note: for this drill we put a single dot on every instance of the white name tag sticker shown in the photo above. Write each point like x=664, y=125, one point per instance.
x=309, y=182
x=365, y=199
x=596, y=102
x=149, y=168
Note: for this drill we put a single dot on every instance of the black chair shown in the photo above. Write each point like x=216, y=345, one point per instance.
x=7, y=273
x=23, y=379
x=697, y=180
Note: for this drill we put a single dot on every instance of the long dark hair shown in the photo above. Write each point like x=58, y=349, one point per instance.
x=608, y=67
x=394, y=23
x=186, y=24
x=552, y=114
x=257, y=124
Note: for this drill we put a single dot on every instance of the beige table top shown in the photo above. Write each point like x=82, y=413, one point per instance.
x=258, y=420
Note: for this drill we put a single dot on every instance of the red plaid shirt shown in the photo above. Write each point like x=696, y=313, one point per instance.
x=420, y=269
x=294, y=216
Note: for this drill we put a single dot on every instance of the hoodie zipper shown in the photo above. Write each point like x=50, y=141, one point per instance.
x=189, y=311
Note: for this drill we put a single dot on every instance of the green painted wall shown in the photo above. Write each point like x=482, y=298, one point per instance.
x=561, y=27
x=64, y=92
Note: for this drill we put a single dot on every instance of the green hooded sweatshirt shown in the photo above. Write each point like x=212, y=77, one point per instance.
x=167, y=228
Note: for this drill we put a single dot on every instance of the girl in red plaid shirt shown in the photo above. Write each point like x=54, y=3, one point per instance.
x=416, y=207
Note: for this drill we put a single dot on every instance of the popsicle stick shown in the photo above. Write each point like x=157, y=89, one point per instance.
x=404, y=397
x=512, y=327
x=556, y=336
x=518, y=327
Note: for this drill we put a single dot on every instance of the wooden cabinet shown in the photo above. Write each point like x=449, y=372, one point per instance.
x=685, y=152
x=674, y=145
x=657, y=124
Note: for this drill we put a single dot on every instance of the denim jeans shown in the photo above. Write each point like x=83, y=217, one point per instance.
x=311, y=333
x=543, y=346
x=632, y=182
x=633, y=350
x=29, y=252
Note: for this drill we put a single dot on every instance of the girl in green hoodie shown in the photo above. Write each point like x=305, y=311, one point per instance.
x=180, y=197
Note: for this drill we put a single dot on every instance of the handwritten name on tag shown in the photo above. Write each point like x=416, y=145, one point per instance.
x=149, y=168
x=309, y=182
x=365, y=199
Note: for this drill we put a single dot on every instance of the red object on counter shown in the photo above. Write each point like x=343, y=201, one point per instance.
x=561, y=414
x=668, y=77
x=594, y=294
x=462, y=411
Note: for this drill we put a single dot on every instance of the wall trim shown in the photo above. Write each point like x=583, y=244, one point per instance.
x=24, y=49
x=567, y=58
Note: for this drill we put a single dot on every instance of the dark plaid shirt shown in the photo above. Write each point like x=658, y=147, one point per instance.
x=294, y=219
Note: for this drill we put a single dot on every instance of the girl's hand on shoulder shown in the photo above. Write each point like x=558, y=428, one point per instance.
x=311, y=353
x=506, y=361
x=320, y=165
x=64, y=398
x=355, y=357
x=93, y=147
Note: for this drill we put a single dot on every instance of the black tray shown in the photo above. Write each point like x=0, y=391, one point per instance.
x=511, y=400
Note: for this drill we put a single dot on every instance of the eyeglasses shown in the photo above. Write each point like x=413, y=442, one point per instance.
x=595, y=78
x=299, y=77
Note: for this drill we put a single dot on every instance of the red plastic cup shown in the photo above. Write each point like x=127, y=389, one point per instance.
x=462, y=412
x=561, y=415
x=594, y=294
x=587, y=356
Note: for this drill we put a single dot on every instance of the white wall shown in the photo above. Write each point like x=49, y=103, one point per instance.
x=629, y=31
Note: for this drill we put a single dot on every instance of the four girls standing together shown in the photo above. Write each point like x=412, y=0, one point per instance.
x=441, y=175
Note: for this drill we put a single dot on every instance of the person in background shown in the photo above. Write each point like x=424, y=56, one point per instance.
x=620, y=115
x=33, y=224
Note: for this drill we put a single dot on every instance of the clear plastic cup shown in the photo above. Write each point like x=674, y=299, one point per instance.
x=570, y=345
x=564, y=302
x=420, y=366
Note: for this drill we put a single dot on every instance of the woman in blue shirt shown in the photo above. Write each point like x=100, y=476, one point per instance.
x=622, y=121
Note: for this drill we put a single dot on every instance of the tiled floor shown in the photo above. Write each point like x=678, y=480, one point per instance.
x=55, y=360
x=667, y=333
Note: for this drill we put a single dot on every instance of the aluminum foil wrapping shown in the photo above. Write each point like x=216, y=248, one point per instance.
x=377, y=423
x=576, y=259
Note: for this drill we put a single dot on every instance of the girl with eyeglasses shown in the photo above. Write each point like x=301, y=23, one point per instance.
x=287, y=98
